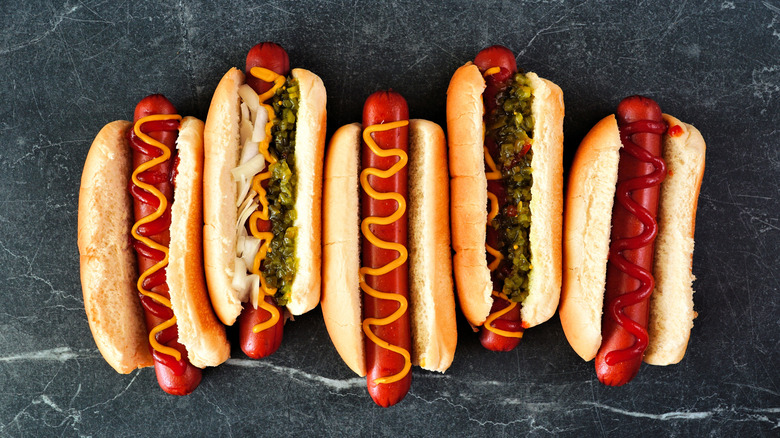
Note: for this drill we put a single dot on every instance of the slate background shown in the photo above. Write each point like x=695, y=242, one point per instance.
x=67, y=68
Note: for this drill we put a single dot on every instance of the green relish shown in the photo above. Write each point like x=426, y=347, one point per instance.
x=281, y=263
x=511, y=126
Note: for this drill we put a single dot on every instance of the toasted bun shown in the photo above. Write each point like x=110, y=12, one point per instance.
x=589, y=199
x=108, y=263
x=221, y=148
x=221, y=138
x=432, y=302
x=468, y=186
x=546, y=203
x=309, y=154
x=671, y=305
x=199, y=330
x=588, y=218
x=434, y=332
x=341, y=303
x=465, y=129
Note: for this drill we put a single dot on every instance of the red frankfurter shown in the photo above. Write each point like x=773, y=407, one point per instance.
x=267, y=55
x=264, y=342
x=629, y=273
x=380, y=108
x=177, y=377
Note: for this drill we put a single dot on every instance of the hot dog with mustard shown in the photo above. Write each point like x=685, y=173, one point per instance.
x=264, y=145
x=387, y=295
x=141, y=189
x=505, y=132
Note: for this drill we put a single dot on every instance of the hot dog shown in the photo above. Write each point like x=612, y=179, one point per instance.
x=132, y=176
x=175, y=373
x=264, y=143
x=384, y=268
x=640, y=173
x=386, y=194
x=506, y=183
x=619, y=182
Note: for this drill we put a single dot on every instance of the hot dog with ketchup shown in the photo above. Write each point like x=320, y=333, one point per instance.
x=264, y=143
x=505, y=133
x=630, y=215
x=141, y=189
x=387, y=294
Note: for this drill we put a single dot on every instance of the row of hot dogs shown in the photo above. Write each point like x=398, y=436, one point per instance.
x=235, y=220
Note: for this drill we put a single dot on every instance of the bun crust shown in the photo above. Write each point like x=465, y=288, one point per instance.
x=222, y=147
x=309, y=154
x=589, y=200
x=465, y=127
x=671, y=305
x=468, y=188
x=199, y=330
x=434, y=332
x=341, y=302
x=432, y=303
x=108, y=263
x=546, y=203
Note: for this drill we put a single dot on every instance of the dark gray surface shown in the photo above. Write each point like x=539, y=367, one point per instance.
x=69, y=68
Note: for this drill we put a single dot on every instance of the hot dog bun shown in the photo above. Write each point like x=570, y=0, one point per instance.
x=199, y=329
x=671, y=305
x=108, y=263
x=222, y=148
x=465, y=130
x=432, y=304
x=108, y=266
x=588, y=216
x=588, y=219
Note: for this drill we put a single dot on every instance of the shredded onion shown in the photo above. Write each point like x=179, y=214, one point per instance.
x=245, y=285
x=258, y=134
x=244, y=174
x=247, y=249
x=249, y=97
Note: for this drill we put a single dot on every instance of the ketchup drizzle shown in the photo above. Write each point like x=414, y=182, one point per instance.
x=616, y=308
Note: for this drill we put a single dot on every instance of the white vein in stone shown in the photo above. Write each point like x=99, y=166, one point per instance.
x=688, y=415
x=356, y=382
x=59, y=354
x=664, y=416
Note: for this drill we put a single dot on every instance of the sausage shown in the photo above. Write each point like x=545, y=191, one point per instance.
x=490, y=57
x=177, y=377
x=509, y=321
x=495, y=82
x=629, y=278
x=496, y=56
x=267, y=55
x=263, y=343
x=381, y=362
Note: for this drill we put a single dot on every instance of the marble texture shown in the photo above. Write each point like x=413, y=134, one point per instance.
x=69, y=67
